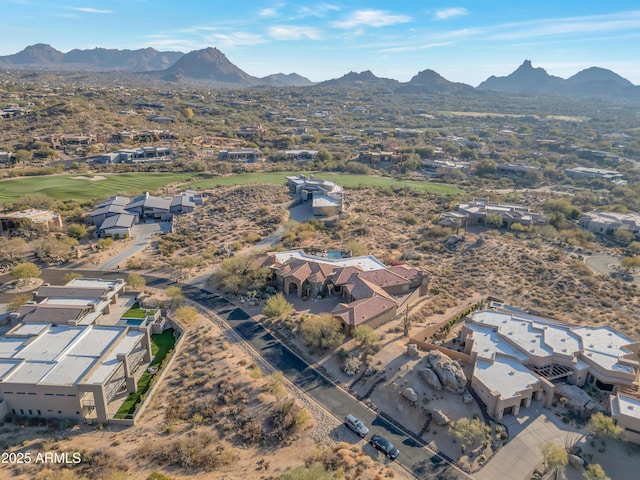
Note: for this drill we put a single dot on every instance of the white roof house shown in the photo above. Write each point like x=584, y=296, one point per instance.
x=549, y=351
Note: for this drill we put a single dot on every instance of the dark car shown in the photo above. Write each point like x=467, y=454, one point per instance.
x=356, y=425
x=385, y=446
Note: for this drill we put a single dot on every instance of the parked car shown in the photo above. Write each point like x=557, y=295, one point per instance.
x=356, y=425
x=385, y=446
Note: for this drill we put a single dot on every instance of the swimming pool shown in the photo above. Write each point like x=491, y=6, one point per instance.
x=334, y=254
x=130, y=322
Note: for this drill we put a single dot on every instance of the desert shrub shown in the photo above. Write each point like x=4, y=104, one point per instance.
x=351, y=365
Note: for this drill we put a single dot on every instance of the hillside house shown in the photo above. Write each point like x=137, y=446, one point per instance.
x=521, y=357
x=326, y=197
x=31, y=218
x=371, y=291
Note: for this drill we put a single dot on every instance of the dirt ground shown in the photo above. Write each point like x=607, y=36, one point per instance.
x=215, y=415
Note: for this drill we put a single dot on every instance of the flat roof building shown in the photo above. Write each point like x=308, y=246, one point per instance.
x=550, y=351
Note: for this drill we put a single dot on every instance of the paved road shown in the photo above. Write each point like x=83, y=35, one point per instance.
x=422, y=462
x=608, y=265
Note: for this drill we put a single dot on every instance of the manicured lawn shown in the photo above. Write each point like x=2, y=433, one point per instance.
x=160, y=346
x=344, y=179
x=136, y=312
x=79, y=187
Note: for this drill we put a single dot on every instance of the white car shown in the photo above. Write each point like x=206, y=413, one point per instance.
x=356, y=426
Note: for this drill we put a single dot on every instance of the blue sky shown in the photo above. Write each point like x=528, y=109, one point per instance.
x=465, y=41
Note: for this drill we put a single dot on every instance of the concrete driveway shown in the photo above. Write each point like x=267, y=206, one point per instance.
x=519, y=457
x=142, y=234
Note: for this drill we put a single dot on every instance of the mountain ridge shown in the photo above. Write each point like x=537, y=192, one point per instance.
x=210, y=65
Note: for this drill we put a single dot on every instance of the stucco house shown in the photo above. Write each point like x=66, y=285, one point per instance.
x=371, y=291
x=520, y=357
x=326, y=197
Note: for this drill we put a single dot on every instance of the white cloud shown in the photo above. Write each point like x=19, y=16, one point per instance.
x=89, y=10
x=414, y=48
x=447, y=13
x=317, y=10
x=291, y=32
x=568, y=26
x=371, y=18
x=268, y=12
x=235, y=39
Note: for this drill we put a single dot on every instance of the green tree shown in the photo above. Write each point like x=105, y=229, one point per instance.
x=322, y=331
x=174, y=294
x=365, y=335
x=630, y=263
x=493, y=220
x=239, y=273
x=553, y=456
x=187, y=113
x=36, y=200
x=486, y=168
x=185, y=314
x=77, y=230
x=602, y=425
x=136, y=281
x=623, y=235
x=324, y=155
x=11, y=248
x=277, y=307
x=633, y=248
x=25, y=271
x=17, y=301
x=595, y=472
x=104, y=243
x=24, y=156
x=470, y=431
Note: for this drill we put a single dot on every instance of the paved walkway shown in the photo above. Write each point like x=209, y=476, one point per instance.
x=519, y=457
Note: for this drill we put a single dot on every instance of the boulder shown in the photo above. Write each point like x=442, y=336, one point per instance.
x=576, y=461
x=440, y=417
x=410, y=394
x=431, y=378
x=412, y=350
x=577, y=399
x=449, y=372
x=467, y=398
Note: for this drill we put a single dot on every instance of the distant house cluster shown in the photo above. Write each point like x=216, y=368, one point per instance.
x=59, y=360
x=476, y=211
x=372, y=292
x=14, y=110
x=326, y=197
x=116, y=216
x=521, y=357
x=134, y=156
x=45, y=219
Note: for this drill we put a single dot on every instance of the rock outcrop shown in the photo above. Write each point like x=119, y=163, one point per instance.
x=577, y=399
x=440, y=417
x=410, y=394
x=449, y=372
x=431, y=378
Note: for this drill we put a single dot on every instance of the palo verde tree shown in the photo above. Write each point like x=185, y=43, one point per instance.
x=25, y=271
x=277, y=307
